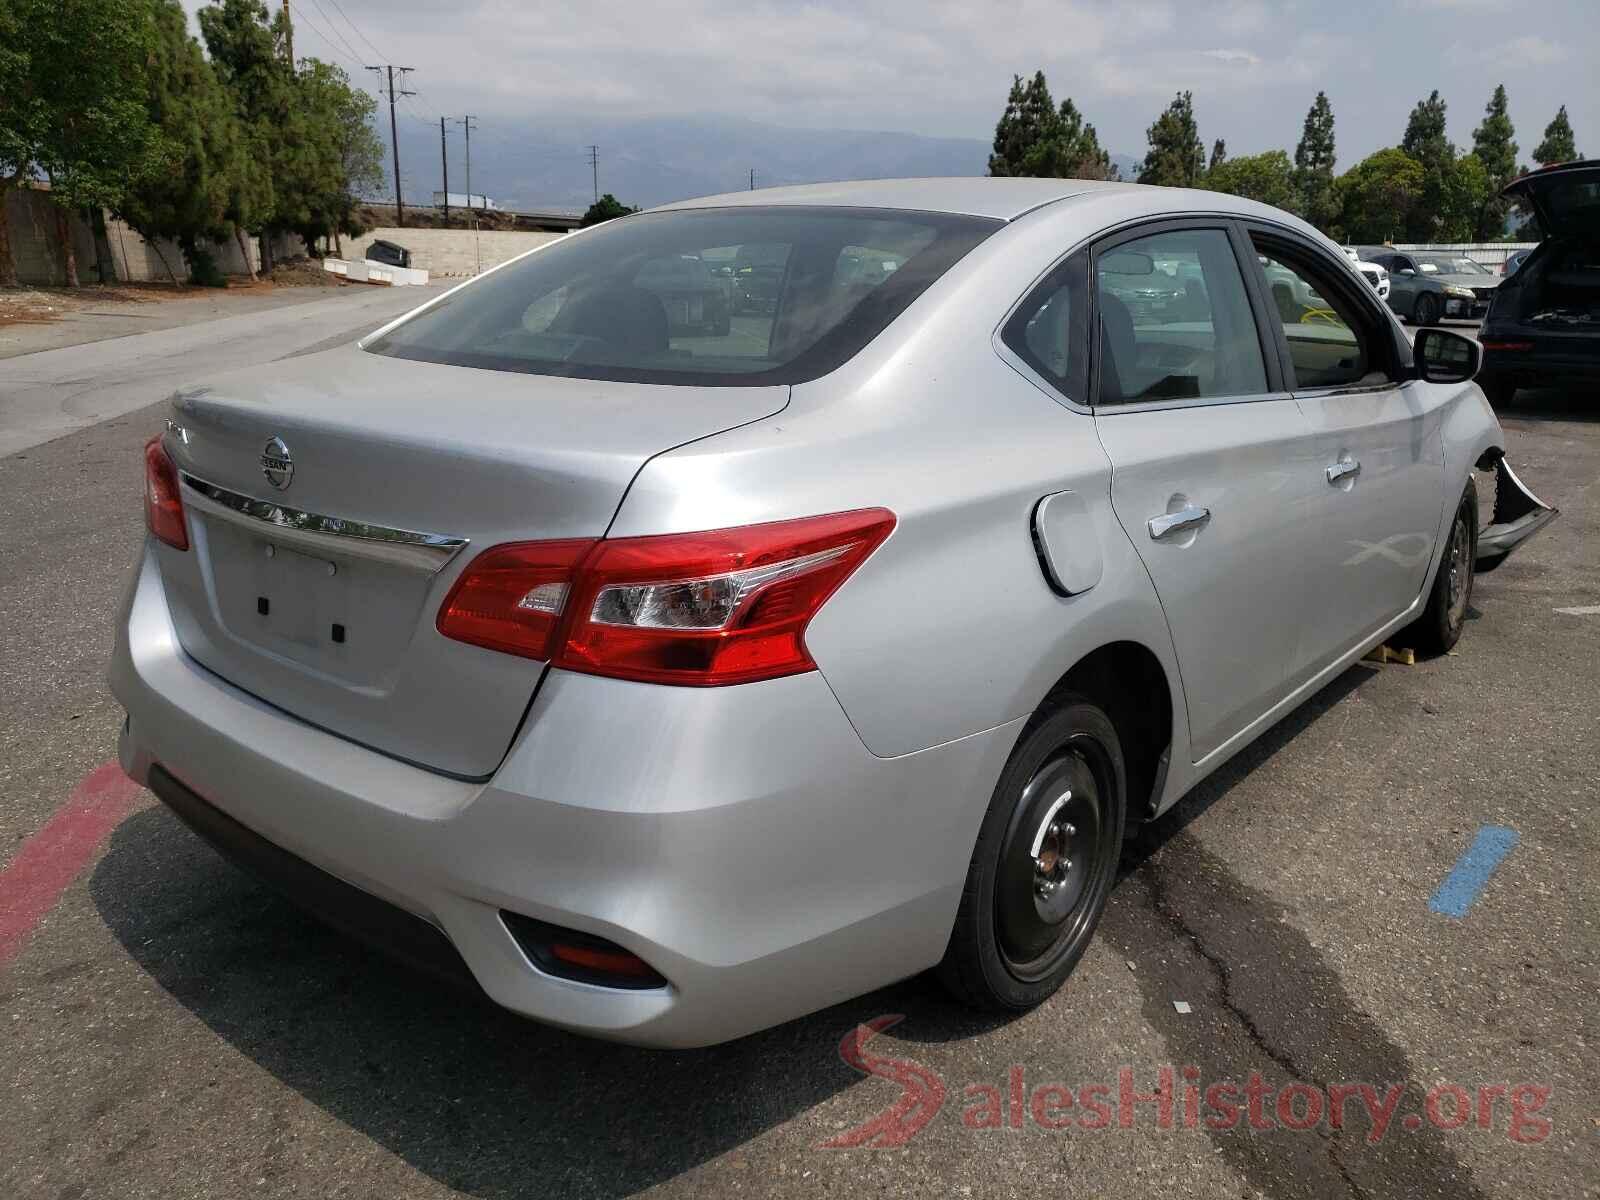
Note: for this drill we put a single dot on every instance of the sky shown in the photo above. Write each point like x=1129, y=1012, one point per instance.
x=943, y=69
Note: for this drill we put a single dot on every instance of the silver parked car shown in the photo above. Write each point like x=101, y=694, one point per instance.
x=670, y=683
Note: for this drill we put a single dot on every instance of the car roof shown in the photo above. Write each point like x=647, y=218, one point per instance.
x=1002, y=199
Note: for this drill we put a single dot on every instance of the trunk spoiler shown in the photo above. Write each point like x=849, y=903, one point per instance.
x=1518, y=515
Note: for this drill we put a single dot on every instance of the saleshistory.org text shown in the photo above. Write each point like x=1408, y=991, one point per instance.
x=1178, y=1097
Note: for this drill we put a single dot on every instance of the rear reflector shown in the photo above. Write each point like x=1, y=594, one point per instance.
x=163, y=504
x=569, y=954
x=1495, y=344
x=703, y=609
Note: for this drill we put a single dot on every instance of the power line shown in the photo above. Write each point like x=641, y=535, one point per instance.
x=338, y=53
x=357, y=29
x=343, y=41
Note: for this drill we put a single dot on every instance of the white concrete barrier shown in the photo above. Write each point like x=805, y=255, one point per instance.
x=367, y=271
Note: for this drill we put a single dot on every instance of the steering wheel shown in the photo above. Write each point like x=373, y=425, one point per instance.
x=1320, y=316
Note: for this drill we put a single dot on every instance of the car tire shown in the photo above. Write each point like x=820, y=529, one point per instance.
x=1044, y=864
x=1426, y=311
x=1439, y=627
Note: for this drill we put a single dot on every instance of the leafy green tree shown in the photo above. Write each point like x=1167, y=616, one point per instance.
x=1493, y=144
x=1427, y=142
x=604, y=209
x=19, y=115
x=1177, y=156
x=1425, y=139
x=1559, y=144
x=1377, y=196
x=247, y=47
x=1035, y=138
x=1465, y=193
x=1219, y=155
x=92, y=136
x=1267, y=177
x=309, y=133
x=1314, y=158
x=203, y=149
x=347, y=155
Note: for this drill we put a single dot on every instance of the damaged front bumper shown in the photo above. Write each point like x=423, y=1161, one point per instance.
x=1518, y=515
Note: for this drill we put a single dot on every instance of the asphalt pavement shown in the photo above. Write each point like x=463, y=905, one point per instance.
x=171, y=1029
x=64, y=387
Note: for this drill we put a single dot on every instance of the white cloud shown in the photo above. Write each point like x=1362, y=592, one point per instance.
x=1237, y=57
x=1529, y=50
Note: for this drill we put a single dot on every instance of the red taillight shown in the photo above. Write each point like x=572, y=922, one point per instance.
x=701, y=609
x=163, y=504
x=720, y=607
x=512, y=597
x=1496, y=344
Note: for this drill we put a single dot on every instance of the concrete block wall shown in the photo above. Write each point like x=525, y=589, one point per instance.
x=34, y=244
x=128, y=257
x=452, y=252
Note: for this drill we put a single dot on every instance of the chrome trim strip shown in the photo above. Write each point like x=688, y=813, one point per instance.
x=318, y=534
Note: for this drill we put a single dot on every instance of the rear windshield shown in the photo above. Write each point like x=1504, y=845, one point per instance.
x=734, y=296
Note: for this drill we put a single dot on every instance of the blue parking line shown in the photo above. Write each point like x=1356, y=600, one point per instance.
x=1472, y=870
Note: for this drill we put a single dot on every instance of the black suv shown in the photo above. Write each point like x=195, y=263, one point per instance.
x=1543, y=325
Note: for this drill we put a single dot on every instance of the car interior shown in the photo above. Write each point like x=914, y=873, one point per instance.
x=1319, y=325
x=1559, y=287
x=1175, y=323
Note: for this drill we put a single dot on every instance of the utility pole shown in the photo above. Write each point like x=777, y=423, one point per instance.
x=444, y=162
x=466, y=123
x=288, y=35
x=594, y=169
x=394, y=133
x=752, y=179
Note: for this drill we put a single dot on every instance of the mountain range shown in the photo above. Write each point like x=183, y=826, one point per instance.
x=655, y=160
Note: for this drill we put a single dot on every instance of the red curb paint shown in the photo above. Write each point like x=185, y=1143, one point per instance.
x=51, y=859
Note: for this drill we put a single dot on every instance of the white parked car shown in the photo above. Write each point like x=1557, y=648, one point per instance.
x=1374, y=273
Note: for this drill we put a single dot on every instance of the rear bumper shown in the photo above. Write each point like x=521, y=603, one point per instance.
x=742, y=841
x=1518, y=515
x=1533, y=369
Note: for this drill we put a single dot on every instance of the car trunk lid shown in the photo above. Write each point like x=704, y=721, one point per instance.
x=333, y=501
x=1565, y=197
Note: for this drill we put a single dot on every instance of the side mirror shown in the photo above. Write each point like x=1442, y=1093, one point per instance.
x=1444, y=356
x=1405, y=271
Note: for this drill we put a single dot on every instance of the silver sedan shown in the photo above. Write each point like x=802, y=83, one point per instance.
x=668, y=674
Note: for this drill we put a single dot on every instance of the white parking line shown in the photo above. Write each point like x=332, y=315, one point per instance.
x=1587, y=610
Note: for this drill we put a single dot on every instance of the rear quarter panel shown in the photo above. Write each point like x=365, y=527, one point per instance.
x=950, y=628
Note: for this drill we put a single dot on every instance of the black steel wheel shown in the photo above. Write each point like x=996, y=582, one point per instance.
x=1044, y=864
x=1439, y=627
x=1426, y=311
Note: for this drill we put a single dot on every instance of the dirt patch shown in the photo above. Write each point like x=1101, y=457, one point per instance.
x=303, y=272
x=29, y=307
x=40, y=306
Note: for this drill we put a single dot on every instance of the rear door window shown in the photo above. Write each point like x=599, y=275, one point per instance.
x=736, y=296
x=1174, y=320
